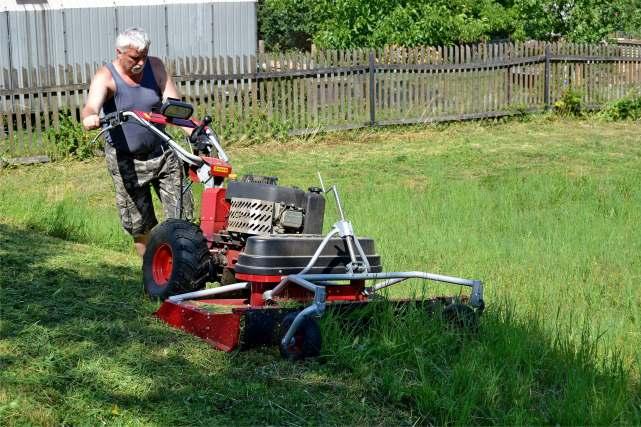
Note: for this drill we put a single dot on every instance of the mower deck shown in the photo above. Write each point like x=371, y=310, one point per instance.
x=229, y=324
x=216, y=321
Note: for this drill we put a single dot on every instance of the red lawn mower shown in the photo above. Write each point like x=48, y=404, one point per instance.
x=264, y=244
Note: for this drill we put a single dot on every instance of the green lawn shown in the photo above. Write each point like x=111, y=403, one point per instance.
x=544, y=211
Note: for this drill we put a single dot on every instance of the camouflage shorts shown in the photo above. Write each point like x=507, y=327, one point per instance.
x=133, y=179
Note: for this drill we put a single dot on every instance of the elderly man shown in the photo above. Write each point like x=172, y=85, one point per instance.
x=136, y=158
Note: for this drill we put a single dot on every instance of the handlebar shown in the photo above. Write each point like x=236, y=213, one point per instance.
x=111, y=119
x=114, y=119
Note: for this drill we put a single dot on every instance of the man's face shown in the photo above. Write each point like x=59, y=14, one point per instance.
x=132, y=60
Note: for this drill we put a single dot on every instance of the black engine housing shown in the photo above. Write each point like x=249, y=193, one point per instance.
x=311, y=203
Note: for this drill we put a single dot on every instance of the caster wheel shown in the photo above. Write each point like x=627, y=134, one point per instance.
x=461, y=316
x=305, y=343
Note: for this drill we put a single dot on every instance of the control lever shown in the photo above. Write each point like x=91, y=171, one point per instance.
x=199, y=130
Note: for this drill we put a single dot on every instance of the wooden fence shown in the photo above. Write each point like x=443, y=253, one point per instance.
x=330, y=90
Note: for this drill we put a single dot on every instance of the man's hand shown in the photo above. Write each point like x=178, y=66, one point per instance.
x=91, y=122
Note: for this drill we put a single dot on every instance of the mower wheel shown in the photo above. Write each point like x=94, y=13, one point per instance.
x=461, y=316
x=176, y=259
x=306, y=342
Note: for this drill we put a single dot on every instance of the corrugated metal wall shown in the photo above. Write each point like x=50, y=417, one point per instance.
x=33, y=38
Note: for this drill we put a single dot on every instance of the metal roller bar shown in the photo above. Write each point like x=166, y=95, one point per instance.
x=209, y=292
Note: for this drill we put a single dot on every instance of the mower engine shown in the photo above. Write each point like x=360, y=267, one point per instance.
x=258, y=208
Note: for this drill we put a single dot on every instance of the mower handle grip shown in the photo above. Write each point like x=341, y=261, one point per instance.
x=112, y=119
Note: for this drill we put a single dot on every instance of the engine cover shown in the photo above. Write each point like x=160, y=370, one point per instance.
x=282, y=254
x=289, y=196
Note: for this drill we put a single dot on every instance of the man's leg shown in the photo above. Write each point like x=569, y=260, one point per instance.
x=140, y=243
x=133, y=196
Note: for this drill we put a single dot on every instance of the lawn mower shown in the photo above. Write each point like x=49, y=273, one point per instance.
x=263, y=244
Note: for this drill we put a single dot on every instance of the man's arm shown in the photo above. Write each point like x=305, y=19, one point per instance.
x=164, y=80
x=166, y=83
x=98, y=91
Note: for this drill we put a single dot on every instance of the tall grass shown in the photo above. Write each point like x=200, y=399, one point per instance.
x=544, y=212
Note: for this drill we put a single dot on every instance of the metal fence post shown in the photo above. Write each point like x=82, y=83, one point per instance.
x=546, y=95
x=372, y=89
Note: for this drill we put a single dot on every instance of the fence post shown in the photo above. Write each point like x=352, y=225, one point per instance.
x=372, y=89
x=546, y=96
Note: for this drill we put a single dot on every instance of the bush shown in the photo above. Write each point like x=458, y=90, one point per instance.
x=570, y=103
x=70, y=139
x=626, y=108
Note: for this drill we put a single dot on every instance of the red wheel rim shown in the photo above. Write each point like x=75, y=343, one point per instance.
x=162, y=264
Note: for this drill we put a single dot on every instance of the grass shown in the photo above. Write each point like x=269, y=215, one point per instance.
x=545, y=211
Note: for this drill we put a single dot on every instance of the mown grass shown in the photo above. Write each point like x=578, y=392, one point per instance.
x=546, y=212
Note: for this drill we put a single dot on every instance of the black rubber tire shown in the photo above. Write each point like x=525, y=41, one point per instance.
x=183, y=243
x=461, y=316
x=307, y=339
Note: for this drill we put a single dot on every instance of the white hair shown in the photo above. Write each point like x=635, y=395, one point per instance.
x=133, y=37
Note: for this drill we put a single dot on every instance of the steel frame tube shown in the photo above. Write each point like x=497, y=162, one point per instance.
x=391, y=275
x=214, y=138
x=308, y=311
x=319, y=250
x=385, y=284
x=317, y=308
x=269, y=295
x=180, y=152
x=209, y=292
x=294, y=278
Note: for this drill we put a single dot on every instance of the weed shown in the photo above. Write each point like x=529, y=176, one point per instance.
x=70, y=139
x=626, y=108
x=570, y=103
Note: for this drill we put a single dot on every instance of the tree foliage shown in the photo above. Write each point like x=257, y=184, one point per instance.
x=287, y=24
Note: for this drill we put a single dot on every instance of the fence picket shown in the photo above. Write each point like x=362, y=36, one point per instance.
x=8, y=108
x=313, y=93
x=322, y=106
x=296, y=93
x=36, y=103
x=27, y=102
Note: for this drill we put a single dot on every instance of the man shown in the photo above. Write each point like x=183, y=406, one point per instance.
x=136, y=158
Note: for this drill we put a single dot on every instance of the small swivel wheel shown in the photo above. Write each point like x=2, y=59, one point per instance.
x=306, y=341
x=461, y=316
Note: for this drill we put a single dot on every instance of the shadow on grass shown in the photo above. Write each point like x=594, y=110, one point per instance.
x=78, y=345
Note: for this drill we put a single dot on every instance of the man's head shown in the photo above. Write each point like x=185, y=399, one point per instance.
x=132, y=46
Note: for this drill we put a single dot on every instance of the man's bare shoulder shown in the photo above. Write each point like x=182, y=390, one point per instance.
x=156, y=64
x=103, y=76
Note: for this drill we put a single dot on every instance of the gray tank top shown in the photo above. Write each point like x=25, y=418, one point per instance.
x=131, y=137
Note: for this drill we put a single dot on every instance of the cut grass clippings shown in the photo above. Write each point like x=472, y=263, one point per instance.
x=545, y=211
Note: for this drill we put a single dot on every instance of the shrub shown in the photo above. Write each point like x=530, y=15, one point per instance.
x=570, y=103
x=70, y=139
x=626, y=108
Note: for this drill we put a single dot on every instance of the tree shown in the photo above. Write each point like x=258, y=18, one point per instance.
x=375, y=23
x=286, y=24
